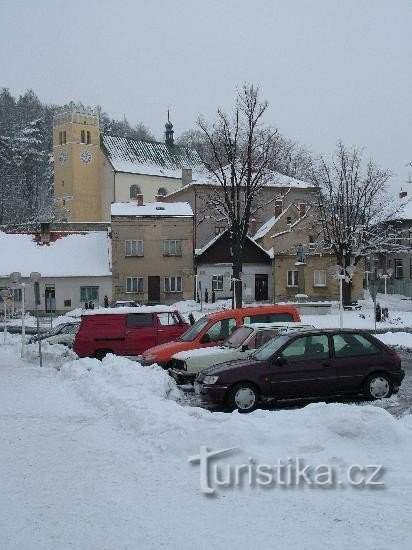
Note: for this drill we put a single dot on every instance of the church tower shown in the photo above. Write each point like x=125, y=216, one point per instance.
x=77, y=164
x=169, y=131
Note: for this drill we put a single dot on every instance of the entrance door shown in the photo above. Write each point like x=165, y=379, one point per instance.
x=153, y=291
x=50, y=299
x=261, y=287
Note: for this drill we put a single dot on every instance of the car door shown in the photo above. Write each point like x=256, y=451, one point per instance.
x=355, y=357
x=168, y=327
x=305, y=368
x=140, y=333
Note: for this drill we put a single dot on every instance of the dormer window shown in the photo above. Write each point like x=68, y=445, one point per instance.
x=162, y=191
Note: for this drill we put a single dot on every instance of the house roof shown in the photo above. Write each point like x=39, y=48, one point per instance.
x=180, y=209
x=223, y=236
x=69, y=254
x=147, y=157
x=267, y=226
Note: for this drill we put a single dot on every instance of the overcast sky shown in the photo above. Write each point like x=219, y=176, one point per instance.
x=330, y=69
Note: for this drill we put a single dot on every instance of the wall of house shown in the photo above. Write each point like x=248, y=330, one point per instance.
x=66, y=289
x=205, y=273
x=149, y=185
x=285, y=263
x=152, y=231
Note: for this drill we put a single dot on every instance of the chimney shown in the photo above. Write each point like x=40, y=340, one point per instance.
x=186, y=176
x=278, y=207
x=403, y=194
x=252, y=226
x=139, y=200
x=45, y=232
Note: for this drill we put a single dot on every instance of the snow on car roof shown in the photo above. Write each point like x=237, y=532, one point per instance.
x=130, y=309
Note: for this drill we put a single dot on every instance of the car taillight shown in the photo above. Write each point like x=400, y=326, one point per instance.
x=395, y=356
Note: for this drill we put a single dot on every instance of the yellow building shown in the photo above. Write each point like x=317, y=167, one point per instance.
x=92, y=170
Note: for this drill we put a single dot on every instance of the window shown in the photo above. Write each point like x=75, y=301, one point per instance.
x=173, y=284
x=162, y=191
x=134, y=284
x=307, y=348
x=172, y=248
x=88, y=293
x=88, y=137
x=289, y=220
x=64, y=137
x=262, y=338
x=268, y=318
x=67, y=303
x=139, y=320
x=60, y=138
x=219, y=229
x=348, y=345
x=134, y=191
x=134, y=248
x=410, y=269
x=398, y=268
x=168, y=319
x=217, y=282
x=292, y=280
x=221, y=329
x=311, y=242
x=319, y=277
x=82, y=136
x=302, y=209
x=278, y=207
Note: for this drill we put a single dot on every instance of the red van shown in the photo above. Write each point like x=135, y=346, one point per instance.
x=127, y=330
x=212, y=329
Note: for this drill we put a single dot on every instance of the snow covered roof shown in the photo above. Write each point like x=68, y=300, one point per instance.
x=67, y=255
x=181, y=209
x=405, y=211
x=267, y=226
x=200, y=251
x=273, y=179
x=146, y=157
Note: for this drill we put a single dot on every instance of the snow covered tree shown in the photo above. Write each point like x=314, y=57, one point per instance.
x=239, y=153
x=355, y=209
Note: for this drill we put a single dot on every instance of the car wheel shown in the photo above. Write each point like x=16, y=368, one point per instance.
x=378, y=386
x=244, y=397
x=101, y=353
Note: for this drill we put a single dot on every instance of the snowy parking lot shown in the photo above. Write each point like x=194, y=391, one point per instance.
x=95, y=455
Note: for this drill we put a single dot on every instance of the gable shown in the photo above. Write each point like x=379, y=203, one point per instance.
x=218, y=251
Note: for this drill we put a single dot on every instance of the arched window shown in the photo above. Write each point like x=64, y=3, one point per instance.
x=162, y=191
x=134, y=191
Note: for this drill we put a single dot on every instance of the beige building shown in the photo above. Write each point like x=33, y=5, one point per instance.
x=152, y=252
x=301, y=263
x=92, y=170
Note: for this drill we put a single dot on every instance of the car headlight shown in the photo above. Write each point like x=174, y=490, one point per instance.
x=210, y=379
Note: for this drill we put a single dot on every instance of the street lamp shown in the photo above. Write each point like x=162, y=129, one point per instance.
x=342, y=274
x=15, y=279
x=35, y=276
x=4, y=294
x=385, y=277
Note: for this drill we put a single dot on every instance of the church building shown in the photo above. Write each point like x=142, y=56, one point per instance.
x=92, y=169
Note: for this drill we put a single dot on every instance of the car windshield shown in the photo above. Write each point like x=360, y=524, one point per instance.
x=271, y=347
x=238, y=337
x=194, y=330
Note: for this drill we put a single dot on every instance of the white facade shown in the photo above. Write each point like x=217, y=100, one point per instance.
x=206, y=273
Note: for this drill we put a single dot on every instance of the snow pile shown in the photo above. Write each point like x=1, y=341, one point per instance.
x=53, y=355
x=398, y=339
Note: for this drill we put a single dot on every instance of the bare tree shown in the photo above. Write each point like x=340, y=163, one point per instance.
x=355, y=209
x=239, y=155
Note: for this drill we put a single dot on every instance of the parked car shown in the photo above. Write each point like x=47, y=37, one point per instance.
x=316, y=364
x=186, y=365
x=124, y=303
x=214, y=328
x=126, y=331
x=60, y=334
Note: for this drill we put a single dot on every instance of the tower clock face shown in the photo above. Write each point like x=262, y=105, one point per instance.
x=63, y=157
x=86, y=157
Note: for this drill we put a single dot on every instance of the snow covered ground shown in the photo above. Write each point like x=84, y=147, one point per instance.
x=95, y=456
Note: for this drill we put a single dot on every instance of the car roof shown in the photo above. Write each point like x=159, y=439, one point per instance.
x=253, y=310
x=277, y=324
x=318, y=331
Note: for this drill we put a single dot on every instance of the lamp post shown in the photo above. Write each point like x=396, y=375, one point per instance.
x=35, y=277
x=4, y=294
x=385, y=277
x=342, y=274
x=15, y=279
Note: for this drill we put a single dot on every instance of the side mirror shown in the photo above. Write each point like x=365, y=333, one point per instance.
x=245, y=347
x=280, y=361
x=205, y=339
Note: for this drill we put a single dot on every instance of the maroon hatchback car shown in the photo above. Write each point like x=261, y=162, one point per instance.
x=316, y=364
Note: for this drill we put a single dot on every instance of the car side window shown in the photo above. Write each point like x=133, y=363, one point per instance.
x=307, y=348
x=268, y=318
x=139, y=320
x=349, y=345
x=167, y=319
x=221, y=329
x=262, y=337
